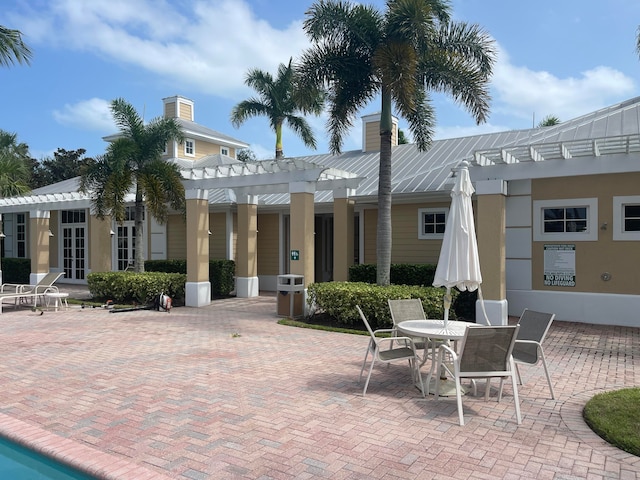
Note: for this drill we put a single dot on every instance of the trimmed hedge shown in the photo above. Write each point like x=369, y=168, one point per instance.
x=339, y=299
x=16, y=270
x=463, y=306
x=126, y=287
x=221, y=273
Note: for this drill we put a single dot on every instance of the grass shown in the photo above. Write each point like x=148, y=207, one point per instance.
x=615, y=416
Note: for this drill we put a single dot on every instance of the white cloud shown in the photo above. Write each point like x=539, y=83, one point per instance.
x=207, y=47
x=93, y=114
x=522, y=91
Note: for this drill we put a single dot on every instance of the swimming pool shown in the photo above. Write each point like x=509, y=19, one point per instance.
x=19, y=463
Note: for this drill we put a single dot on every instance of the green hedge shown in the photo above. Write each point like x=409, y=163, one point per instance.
x=16, y=270
x=126, y=287
x=464, y=304
x=339, y=299
x=221, y=273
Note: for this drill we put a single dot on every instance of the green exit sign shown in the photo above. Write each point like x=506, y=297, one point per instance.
x=295, y=254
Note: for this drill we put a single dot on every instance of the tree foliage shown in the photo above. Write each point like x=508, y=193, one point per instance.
x=549, y=121
x=282, y=101
x=64, y=165
x=401, y=54
x=14, y=166
x=133, y=163
x=12, y=48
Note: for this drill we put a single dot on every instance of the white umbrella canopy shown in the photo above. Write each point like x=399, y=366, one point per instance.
x=459, y=264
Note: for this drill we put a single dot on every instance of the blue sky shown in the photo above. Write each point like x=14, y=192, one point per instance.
x=556, y=57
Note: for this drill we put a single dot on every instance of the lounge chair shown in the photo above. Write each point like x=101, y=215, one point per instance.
x=22, y=291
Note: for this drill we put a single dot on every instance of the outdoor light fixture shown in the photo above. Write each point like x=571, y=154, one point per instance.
x=112, y=233
x=209, y=232
x=50, y=233
x=2, y=235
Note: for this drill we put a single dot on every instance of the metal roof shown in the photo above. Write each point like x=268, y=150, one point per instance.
x=607, y=132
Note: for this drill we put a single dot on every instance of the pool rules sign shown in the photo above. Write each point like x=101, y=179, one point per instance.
x=560, y=265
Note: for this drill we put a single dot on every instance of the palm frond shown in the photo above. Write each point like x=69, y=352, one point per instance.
x=12, y=48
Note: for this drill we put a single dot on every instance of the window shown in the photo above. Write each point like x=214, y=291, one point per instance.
x=189, y=147
x=21, y=235
x=626, y=218
x=73, y=216
x=572, y=219
x=432, y=222
x=224, y=151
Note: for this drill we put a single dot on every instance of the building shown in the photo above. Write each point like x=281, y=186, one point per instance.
x=557, y=215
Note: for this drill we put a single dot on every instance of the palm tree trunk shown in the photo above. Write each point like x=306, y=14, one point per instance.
x=279, y=151
x=383, y=246
x=139, y=223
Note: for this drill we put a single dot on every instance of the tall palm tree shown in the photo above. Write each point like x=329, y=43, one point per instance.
x=549, y=121
x=134, y=161
x=406, y=51
x=280, y=101
x=12, y=48
x=14, y=165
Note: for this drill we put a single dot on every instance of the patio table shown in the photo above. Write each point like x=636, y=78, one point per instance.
x=435, y=330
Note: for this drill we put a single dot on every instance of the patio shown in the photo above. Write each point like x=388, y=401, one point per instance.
x=226, y=392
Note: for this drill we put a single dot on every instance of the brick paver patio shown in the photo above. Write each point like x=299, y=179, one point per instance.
x=225, y=392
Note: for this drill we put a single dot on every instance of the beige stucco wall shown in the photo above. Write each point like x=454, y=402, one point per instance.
x=100, y=244
x=619, y=258
x=176, y=237
x=268, y=244
x=406, y=246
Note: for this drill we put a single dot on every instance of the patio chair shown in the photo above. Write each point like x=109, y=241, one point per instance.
x=528, y=347
x=405, y=352
x=23, y=291
x=485, y=353
x=410, y=309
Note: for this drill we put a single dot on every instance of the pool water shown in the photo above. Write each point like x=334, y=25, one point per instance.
x=19, y=463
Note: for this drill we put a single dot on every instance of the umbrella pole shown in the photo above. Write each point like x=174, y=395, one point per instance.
x=447, y=306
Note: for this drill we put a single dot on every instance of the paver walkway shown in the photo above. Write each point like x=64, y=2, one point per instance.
x=225, y=392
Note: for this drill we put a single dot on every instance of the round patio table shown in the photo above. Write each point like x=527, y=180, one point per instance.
x=435, y=330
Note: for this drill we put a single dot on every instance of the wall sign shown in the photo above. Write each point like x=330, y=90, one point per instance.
x=560, y=265
x=295, y=254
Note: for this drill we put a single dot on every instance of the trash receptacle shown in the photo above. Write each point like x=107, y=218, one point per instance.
x=291, y=295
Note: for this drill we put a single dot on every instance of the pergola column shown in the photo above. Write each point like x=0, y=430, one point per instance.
x=101, y=245
x=302, y=227
x=39, y=244
x=342, y=234
x=198, y=287
x=247, y=284
x=2, y=235
x=491, y=227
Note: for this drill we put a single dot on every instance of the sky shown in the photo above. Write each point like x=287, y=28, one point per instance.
x=562, y=58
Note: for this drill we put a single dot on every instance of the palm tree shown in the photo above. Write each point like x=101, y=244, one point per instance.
x=280, y=100
x=133, y=161
x=549, y=121
x=12, y=48
x=14, y=165
x=638, y=41
x=406, y=51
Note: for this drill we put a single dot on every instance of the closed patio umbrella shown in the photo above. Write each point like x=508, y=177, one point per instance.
x=459, y=264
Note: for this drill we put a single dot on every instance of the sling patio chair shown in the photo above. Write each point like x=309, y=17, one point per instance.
x=411, y=309
x=528, y=347
x=485, y=353
x=386, y=355
x=23, y=291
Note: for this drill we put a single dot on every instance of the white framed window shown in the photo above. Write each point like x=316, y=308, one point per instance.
x=189, y=147
x=626, y=218
x=224, y=151
x=574, y=219
x=432, y=222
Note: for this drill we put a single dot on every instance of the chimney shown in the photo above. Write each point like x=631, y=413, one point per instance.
x=371, y=132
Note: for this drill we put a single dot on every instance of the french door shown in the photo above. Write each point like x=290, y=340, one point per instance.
x=125, y=246
x=74, y=252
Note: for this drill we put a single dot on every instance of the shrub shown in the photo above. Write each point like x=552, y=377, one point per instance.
x=463, y=306
x=125, y=287
x=221, y=273
x=339, y=299
x=16, y=270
